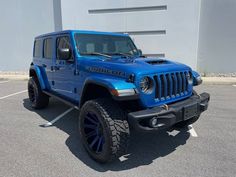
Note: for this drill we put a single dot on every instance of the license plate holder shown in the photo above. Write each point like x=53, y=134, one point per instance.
x=190, y=111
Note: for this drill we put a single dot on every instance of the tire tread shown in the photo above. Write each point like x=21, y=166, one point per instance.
x=116, y=124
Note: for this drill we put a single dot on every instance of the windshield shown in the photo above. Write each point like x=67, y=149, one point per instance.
x=105, y=45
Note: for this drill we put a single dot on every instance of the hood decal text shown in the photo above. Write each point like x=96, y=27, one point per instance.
x=106, y=71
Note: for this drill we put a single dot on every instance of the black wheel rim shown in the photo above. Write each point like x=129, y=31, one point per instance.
x=31, y=93
x=93, y=131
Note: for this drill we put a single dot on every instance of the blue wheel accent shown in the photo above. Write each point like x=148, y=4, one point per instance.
x=93, y=132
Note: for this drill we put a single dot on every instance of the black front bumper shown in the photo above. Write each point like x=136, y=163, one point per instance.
x=168, y=115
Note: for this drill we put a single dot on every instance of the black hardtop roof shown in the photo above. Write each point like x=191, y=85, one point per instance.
x=79, y=31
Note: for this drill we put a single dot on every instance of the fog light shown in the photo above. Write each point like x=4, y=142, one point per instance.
x=153, y=122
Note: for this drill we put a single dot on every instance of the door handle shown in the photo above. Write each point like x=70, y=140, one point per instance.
x=44, y=65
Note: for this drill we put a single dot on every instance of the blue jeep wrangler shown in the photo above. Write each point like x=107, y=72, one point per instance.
x=113, y=86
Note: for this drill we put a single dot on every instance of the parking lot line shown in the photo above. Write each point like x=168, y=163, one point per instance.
x=58, y=117
x=23, y=91
x=234, y=85
x=2, y=82
x=192, y=131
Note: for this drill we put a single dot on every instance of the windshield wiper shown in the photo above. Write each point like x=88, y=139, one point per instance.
x=96, y=53
x=123, y=54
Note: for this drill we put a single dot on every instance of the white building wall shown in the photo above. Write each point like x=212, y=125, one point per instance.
x=159, y=27
x=20, y=22
x=200, y=33
x=217, y=42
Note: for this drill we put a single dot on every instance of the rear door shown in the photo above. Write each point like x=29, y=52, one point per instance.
x=47, y=60
x=64, y=70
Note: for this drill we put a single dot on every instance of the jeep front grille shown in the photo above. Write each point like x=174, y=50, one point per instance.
x=171, y=85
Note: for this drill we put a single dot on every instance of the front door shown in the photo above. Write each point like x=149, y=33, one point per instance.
x=64, y=77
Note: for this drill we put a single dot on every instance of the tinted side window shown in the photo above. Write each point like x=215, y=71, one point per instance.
x=63, y=42
x=47, y=48
x=37, y=48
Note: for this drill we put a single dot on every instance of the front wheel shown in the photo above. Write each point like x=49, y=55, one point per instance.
x=103, y=129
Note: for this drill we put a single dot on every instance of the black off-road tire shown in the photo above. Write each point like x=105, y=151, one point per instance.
x=37, y=98
x=114, y=125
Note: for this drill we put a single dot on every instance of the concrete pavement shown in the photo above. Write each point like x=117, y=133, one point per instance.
x=30, y=150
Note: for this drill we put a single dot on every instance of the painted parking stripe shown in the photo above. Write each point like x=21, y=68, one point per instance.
x=234, y=85
x=23, y=91
x=192, y=132
x=58, y=118
x=2, y=82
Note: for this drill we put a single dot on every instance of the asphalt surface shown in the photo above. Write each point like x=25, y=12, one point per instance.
x=29, y=149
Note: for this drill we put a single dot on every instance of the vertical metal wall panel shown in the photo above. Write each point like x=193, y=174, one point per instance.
x=179, y=19
x=21, y=21
x=57, y=15
x=167, y=28
x=217, y=42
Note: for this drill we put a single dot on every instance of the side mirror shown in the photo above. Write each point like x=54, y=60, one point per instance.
x=64, y=53
x=140, y=52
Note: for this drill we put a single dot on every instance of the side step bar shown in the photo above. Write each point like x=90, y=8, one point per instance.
x=64, y=100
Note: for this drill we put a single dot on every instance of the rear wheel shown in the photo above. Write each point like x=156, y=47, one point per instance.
x=103, y=129
x=37, y=98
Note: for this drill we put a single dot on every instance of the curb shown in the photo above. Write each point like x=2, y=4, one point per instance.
x=219, y=80
x=14, y=77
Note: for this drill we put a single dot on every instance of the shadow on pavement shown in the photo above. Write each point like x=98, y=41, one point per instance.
x=143, y=149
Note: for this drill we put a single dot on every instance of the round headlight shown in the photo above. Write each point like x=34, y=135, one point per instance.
x=146, y=84
x=190, y=78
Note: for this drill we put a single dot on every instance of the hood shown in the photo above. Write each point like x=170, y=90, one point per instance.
x=137, y=66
